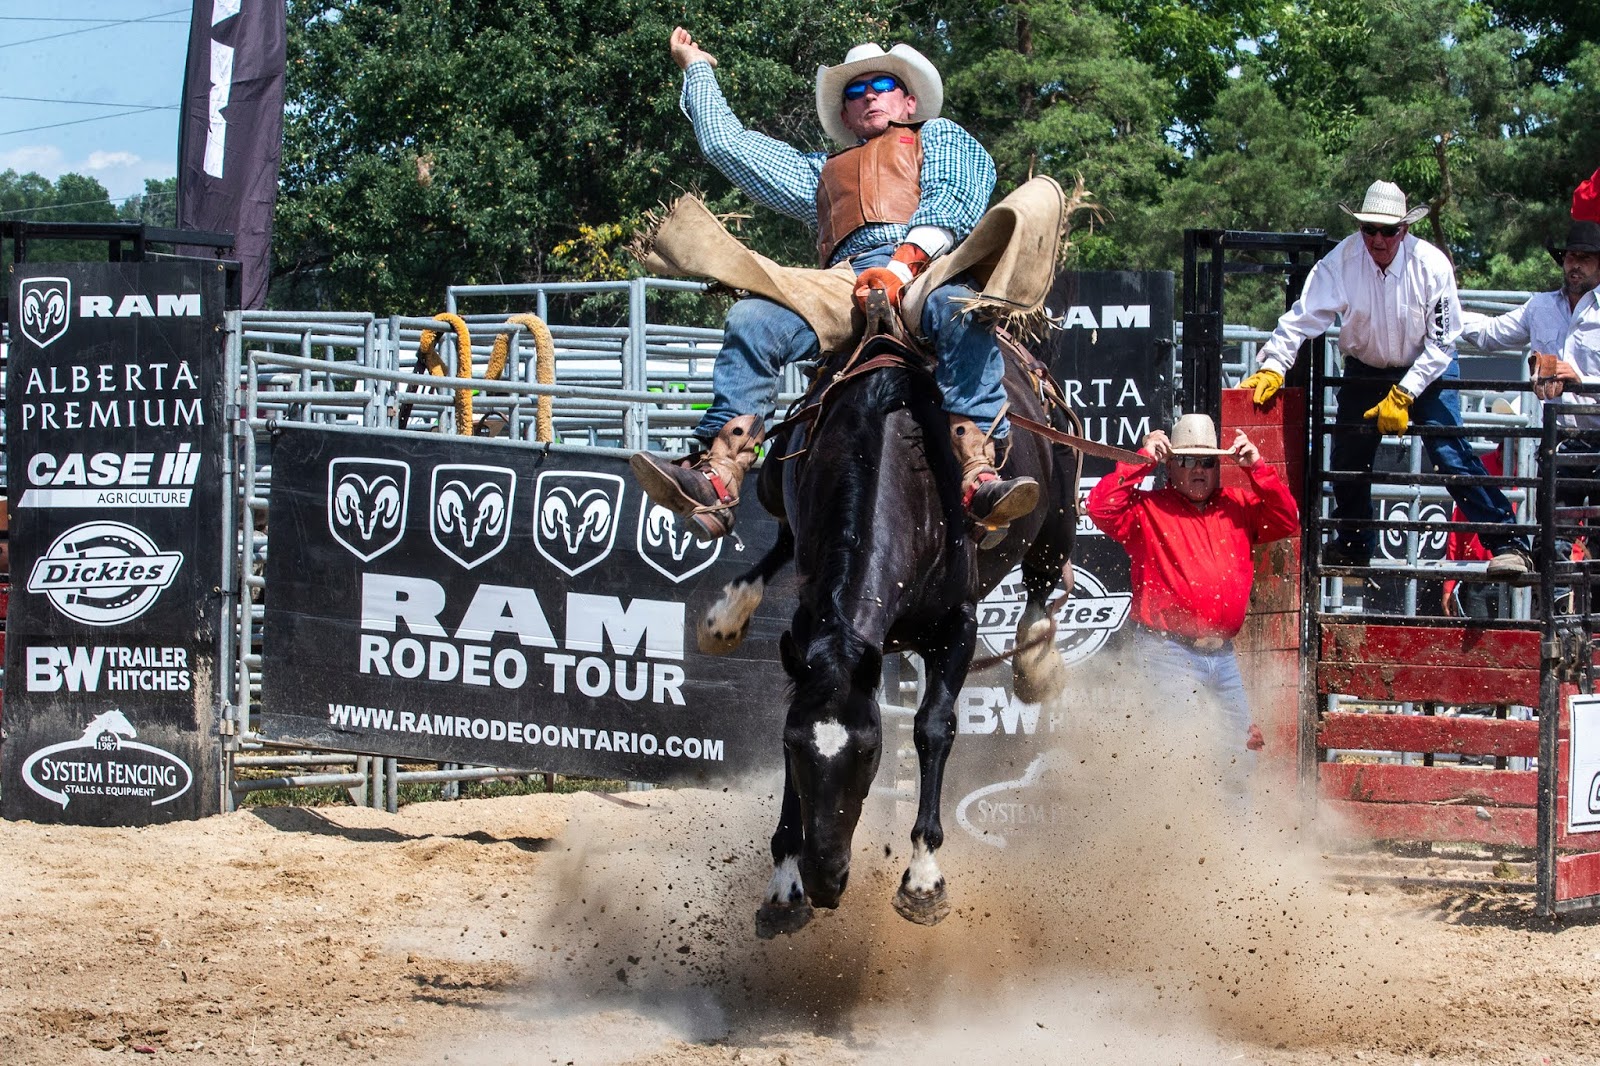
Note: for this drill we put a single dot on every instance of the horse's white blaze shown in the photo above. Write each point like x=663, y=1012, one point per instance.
x=785, y=887
x=723, y=627
x=829, y=737
x=922, y=875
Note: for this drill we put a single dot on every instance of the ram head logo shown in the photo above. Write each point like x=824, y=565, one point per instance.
x=46, y=309
x=367, y=504
x=471, y=514
x=576, y=517
x=672, y=546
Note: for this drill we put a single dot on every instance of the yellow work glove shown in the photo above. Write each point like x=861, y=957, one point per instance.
x=1265, y=382
x=1391, y=412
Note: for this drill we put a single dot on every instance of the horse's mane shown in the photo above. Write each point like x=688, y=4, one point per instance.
x=851, y=440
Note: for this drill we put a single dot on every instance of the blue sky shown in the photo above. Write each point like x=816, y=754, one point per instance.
x=98, y=55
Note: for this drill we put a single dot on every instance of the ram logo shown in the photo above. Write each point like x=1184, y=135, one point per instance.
x=673, y=547
x=367, y=501
x=46, y=304
x=470, y=520
x=575, y=518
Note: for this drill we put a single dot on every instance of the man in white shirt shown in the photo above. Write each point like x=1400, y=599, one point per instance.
x=1401, y=315
x=1564, y=322
x=1563, y=325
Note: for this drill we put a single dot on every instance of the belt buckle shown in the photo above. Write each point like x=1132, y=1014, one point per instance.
x=1209, y=643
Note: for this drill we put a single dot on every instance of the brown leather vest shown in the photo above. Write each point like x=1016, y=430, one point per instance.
x=880, y=181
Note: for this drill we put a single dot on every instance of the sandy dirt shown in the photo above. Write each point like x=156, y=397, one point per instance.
x=619, y=929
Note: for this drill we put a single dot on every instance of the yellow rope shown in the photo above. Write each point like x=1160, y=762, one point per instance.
x=428, y=347
x=544, y=371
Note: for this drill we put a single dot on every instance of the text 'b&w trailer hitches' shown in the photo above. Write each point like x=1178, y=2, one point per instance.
x=467, y=601
x=115, y=429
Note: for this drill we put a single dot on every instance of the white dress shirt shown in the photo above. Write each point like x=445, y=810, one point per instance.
x=1548, y=324
x=1406, y=316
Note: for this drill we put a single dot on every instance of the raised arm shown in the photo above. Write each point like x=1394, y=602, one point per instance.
x=770, y=172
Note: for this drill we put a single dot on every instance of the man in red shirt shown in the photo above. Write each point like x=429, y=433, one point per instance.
x=1190, y=549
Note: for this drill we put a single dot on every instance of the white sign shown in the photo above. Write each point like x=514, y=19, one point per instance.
x=1583, y=766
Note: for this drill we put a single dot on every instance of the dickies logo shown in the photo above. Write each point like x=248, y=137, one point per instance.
x=1084, y=622
x=367, y=504
x=46, y=309
x=103, y=573
x=470, y=519
x=575, y=518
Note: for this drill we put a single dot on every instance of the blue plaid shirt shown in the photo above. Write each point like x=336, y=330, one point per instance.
x=957, y=174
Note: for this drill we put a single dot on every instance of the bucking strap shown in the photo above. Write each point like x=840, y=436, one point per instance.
x=1081, y=444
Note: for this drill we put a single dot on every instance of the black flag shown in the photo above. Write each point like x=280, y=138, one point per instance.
x=232, y=134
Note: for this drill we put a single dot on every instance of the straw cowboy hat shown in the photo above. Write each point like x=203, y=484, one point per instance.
x=1195, y=435
x=1581, y=237
x=1385, y=205
x=906, y=63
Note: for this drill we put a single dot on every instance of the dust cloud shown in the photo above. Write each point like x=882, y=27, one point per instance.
x=1148, y=918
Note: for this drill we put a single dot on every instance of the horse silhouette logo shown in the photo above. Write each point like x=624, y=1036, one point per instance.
x=107, y=731
x=367, y=501
x=575, y=518
x=470, y=518
x=672, y=547
x=46, y=309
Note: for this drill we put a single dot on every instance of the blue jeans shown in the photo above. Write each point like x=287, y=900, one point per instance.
x=1200, y=692
x=762, y=337
x=1439, y=405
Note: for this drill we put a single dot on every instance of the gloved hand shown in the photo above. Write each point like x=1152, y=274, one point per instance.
x=1265, y=382
x=1391, y=411
x=907, y=262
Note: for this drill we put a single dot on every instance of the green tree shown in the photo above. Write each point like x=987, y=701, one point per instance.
x=70, y=198
x=156, y=206
x=438, y=141
x=1048, y=86
x=1195, y=46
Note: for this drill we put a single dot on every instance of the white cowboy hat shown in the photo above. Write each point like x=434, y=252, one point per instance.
x=1195, y=435
x=1385, y=205
x=919, y=77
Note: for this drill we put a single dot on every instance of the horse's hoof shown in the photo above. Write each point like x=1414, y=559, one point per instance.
x=930, y=909
x=714, y=641
x=775, y=918
x=728, y=620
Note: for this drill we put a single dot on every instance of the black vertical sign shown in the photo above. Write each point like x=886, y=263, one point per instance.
x=115, y=428
x=1111, y=351
x=231, y=138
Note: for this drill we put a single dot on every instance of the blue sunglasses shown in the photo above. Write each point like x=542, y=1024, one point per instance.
x=883, y=83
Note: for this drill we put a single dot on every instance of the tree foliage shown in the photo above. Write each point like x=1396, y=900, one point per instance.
x=439, y=141
x=75, y=198
x=435, y=141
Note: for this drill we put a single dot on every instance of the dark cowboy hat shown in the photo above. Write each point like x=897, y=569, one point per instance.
x=1581, y=237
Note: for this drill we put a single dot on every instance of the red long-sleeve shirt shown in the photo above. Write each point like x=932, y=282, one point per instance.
x=1586, y=200
x=1191, y=565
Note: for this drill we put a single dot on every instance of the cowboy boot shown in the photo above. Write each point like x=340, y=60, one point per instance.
x=992, y=501
x=703, y=487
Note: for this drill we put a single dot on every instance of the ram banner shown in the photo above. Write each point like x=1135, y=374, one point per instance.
x=468, y=600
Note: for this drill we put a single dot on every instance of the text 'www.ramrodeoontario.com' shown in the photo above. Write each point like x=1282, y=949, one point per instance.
x=582, y=738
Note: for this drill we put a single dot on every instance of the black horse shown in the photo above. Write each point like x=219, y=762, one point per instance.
x=869, y=501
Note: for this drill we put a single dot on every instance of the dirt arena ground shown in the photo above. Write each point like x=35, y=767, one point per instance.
x=619, y=929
